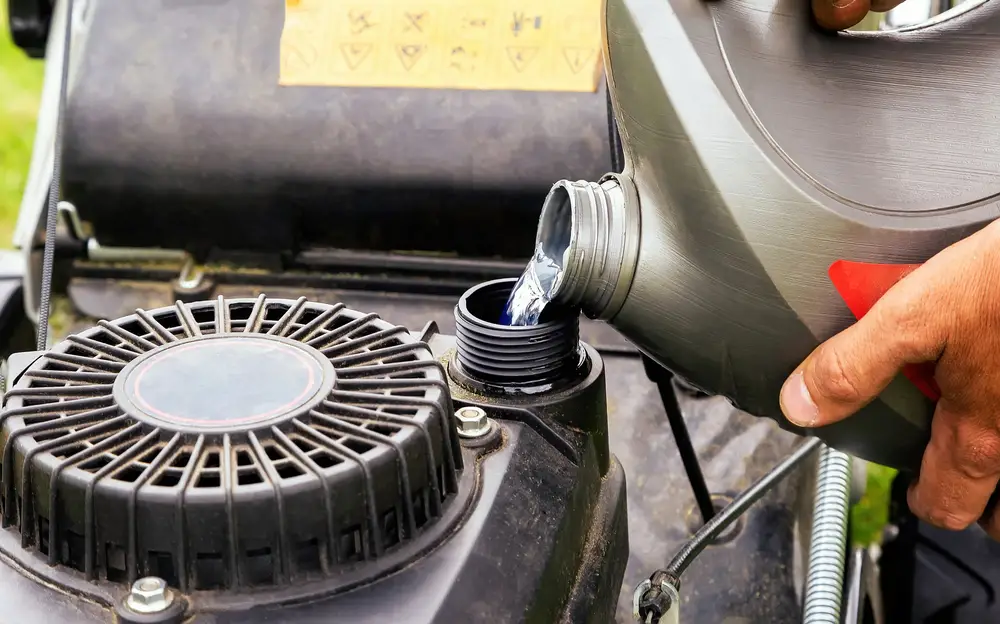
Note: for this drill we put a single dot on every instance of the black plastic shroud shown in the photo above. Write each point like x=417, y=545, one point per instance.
x=228, y=445
x=532, y=528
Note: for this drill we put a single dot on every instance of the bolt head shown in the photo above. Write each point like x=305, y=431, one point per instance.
x=472, y=422
x=149, y=595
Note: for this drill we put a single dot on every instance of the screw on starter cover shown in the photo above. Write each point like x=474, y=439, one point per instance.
x=149, y=595
x=151, y=601
x=472, y=422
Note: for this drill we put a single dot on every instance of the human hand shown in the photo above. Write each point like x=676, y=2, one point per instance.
x=947, y=311
x=841, y=14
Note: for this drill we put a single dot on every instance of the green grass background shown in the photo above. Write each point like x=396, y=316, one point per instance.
x=20, y=88
x=871, y=514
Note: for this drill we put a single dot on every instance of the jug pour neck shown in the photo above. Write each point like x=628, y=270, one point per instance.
x=592, y=230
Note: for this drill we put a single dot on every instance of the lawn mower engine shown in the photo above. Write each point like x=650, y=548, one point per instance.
x=302, y=457
x=261, y=460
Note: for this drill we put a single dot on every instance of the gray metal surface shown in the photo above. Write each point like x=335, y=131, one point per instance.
x=59, y=605
x=888, y=122
x=763, y=151
x=753, y=576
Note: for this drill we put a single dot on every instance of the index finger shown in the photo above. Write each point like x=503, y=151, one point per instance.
x=959, y=470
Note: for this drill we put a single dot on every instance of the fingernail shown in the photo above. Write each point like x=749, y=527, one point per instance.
x=796, y=403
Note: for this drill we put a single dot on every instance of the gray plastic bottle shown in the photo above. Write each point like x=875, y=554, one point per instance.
x=758, y=153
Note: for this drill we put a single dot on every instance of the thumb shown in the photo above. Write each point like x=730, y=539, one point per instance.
x=849, y=370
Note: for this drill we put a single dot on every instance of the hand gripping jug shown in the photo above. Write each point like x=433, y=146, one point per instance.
x=771, y=172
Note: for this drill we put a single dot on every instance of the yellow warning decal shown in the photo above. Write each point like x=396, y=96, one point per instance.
x=541, y=45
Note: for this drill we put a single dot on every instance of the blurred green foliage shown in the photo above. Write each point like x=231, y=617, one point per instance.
x=20, y=90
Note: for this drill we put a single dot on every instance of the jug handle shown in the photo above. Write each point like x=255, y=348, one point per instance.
x=944, y=16
x=860, y=285
x=973, y=17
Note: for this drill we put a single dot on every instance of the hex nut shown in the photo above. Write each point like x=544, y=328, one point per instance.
x=472, y=422
x=149, y=595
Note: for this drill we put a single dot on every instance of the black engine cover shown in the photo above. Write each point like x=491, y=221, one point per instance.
x=527, y=553
x=178, y=135
x=528, y=525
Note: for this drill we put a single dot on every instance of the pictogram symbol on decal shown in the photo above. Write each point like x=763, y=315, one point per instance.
x=360, y=21
x=520, y=56
x=414, y=22
x=577, y=58
x=523, y=22
x=410, y=54
x=462, y=59
x=474, y=22
x=355, y=53
x=299, y=55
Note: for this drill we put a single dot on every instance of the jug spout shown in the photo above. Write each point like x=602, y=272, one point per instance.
x=591, y=230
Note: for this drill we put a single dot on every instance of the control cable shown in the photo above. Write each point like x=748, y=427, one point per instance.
x=654, y=597
x=52, y=212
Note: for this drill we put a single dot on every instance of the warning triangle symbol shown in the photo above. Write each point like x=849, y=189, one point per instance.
x=520, y=56
x=410, y=54
x=294, y=57
x=577, y=58
x=355, y=53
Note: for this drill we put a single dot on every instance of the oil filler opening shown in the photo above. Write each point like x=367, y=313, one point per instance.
x=514, y=357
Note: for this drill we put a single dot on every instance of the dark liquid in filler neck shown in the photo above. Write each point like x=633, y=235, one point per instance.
x=532, y=292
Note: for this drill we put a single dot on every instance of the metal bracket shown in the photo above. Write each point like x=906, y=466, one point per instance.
x=862, y=588
x=657, y=603
x=100, y=253
x=190, y=276
x=689, y=457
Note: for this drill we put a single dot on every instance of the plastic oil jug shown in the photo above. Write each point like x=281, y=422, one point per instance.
x=777, y=181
